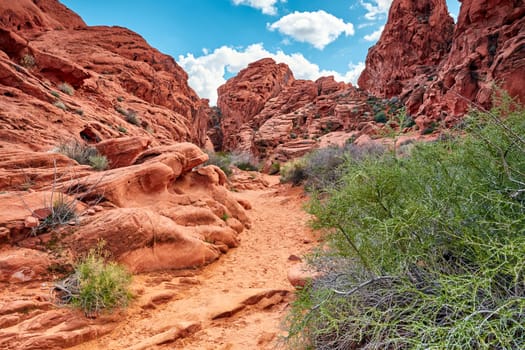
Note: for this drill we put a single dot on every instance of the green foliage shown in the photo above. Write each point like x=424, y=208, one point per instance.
x=122, y=129
x=61, y=105
x=66, y=88
x=101, y=284
x=98, y=162
x=427, y=250
x=55, y=94
x=220, y=159
x=293, y=171
x=275, y=168
x=244, y=161
x=132, y=118
x=380, y=117
x=83, y=154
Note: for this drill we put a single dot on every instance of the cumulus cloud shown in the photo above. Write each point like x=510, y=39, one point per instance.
x=375, y=35
x=266, y=6
x=207, y=72
x=316, y=28
x=376, y=8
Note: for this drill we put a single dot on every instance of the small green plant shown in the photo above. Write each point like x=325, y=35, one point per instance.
x=293, y=171
x=120, y=98
x=274, y=168
x=61, y=105
x=66, y=88
x=82, y=153
x=97, y=284
x=98, y=162
x=55, y=94
x=28, y=61
x=132, y=118
x=220, y=159
x=79, y=111
x=380, y=117
x=429, y=129
x=225, y=217
x=122, y=129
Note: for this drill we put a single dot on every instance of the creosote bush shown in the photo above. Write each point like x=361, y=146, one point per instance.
x=97, y=284
x=426, y=249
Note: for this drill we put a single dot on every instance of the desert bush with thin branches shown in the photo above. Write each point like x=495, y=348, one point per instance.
x=426, y=249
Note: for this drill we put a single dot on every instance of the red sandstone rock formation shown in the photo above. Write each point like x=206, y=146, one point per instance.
x=488, y=48
x=117, y=84
x=438, y=73
x=266, y=112
x=416, y=38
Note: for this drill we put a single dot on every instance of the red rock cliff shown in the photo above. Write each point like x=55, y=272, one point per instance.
x=488, y=48
x=416, y=38
x=118, y=84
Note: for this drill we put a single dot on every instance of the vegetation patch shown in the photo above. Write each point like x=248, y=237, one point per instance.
x=426, y=250
x=83, y=154
x=96, y=285
x=66, y=88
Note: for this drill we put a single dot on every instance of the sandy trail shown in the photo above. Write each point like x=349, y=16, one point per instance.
x=238, y=302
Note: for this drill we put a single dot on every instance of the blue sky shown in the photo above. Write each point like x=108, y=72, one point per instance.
x=213, y=39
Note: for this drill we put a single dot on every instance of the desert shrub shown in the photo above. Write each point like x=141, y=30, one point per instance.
x=293, y=171
x=61, y=105
x=55, y=94
x=66, y=88
x=83, y=154
x=96, y=284
x=380, y=117
x=321, y=170
x=244, y=161
x=122, y=129
x=98, y=162
x=132, y=118
x=220, y=159
x=274, y=168
x=62, y=211
x=426, y=250
x=28, y=61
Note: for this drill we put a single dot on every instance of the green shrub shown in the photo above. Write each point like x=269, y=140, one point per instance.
x=220, y=159
x=293, y=171
x=98, y=162
x=426, y=250
x=61, y=105
x=132, y=118
x=274, y=168
x=122, y=129
x=83, y=154
x=244, y=161
x=55, y=94
x=380, y=117
x=66, y=88
x=96, y=285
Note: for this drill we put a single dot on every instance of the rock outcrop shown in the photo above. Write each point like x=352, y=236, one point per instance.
x=416, y=38
x=61, y=78
x=158, y=209
x=265, y=111
x=437, y=69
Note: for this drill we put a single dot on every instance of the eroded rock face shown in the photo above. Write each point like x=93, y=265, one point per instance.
x=437, y=69
x=488, y=48
x=117, y=85
x=416, y=38
x=266, y=112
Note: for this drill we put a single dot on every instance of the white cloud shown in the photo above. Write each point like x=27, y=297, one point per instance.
x=316, y=28
x=206, y=73
x=376, y=8
x=375, y=35
x=266, y=6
